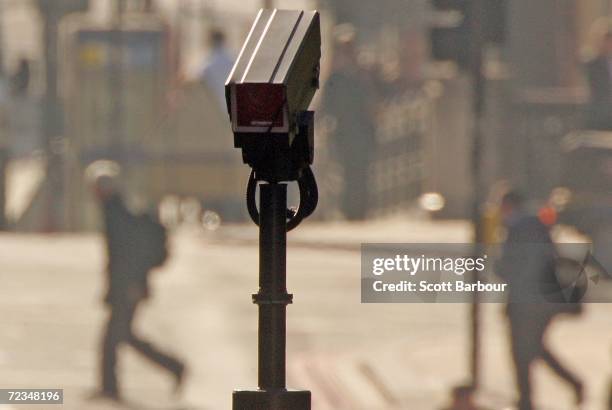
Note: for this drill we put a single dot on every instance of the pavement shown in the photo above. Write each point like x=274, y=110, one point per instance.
x=350, y=355
x=411, y=227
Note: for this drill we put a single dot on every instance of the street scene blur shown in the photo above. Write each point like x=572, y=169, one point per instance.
x=128, y=252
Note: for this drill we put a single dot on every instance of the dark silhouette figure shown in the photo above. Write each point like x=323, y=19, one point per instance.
x=347, y=102
x=599, y=76
x=528, y=261
x=20, y=80
x=128, y=269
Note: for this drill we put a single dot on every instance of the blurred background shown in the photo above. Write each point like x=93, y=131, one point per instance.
x=428, y=111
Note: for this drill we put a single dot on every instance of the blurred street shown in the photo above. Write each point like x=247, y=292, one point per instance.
x=350, y=355
x=437, y=121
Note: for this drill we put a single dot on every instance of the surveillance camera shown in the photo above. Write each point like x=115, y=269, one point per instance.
x=270, y=88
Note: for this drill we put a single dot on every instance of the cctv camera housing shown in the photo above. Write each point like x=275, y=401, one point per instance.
x=271, y=86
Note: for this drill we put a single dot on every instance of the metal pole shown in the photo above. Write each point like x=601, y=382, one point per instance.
x=3, y=165
x=272, y=300
x=51, y=119
x=272, y=297
x=476, y=50
x=4, y=149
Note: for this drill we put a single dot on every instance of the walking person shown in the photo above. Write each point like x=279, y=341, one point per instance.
x=217, y=66
x=132, y=252
x=528, y=262
x=348, y=104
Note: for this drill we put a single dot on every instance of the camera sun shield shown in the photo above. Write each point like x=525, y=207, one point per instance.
x=270, y=88
x=277, y=72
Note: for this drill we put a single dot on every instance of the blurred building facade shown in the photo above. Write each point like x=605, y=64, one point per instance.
x=535, y=91
x=535, y=95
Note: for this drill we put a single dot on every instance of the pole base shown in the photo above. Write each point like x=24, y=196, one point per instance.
x=278, y=399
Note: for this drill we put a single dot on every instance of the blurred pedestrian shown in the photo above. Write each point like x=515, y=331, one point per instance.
x=217, y=66
x=528, y=263
x=348, y=104
x=135, y=245
x=599, y=76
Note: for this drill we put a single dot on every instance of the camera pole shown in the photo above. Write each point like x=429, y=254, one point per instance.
x=276, y=137
x=272, y=300
x=4, y=138
x=476, y=68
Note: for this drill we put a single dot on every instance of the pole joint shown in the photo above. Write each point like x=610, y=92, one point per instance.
x=273, y=299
